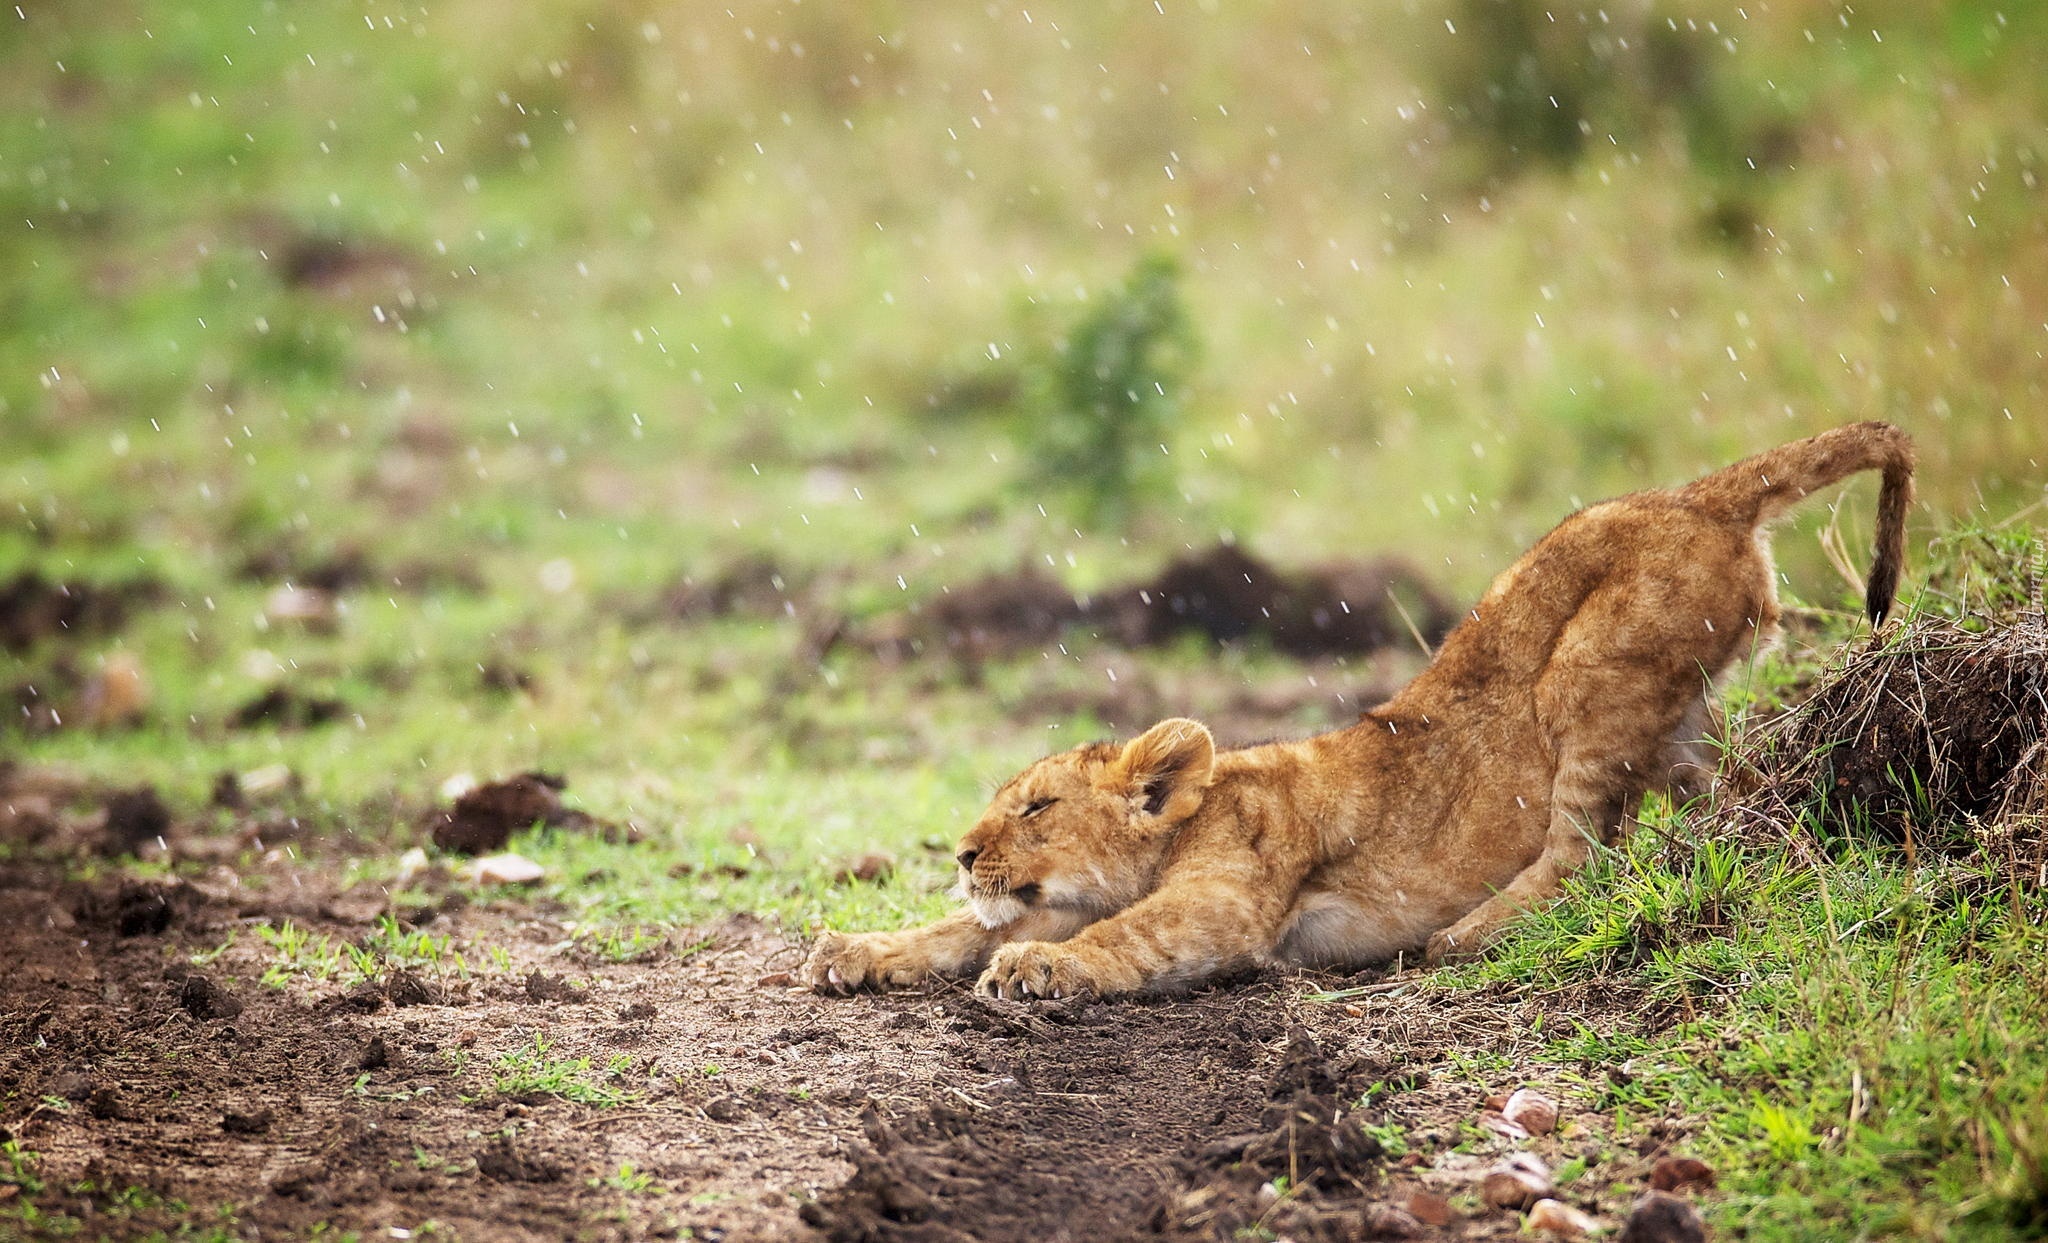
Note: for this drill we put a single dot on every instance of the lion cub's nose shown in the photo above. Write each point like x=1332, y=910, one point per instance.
x=967, y=858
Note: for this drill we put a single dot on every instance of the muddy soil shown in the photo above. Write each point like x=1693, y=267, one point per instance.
x=170, y=1058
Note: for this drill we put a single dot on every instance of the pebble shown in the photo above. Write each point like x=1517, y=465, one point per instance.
x=1558, y=1218
x=1517, y=1182
x=1532, y=1111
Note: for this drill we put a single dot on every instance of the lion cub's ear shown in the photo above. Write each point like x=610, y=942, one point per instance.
x=1170, y=765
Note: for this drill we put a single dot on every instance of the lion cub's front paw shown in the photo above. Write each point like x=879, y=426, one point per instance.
x=842, y=962
x=1041, y=969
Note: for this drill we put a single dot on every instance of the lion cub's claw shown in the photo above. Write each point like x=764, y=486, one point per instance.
x=1036, y=969
x=1455, y=944
x=842, y=963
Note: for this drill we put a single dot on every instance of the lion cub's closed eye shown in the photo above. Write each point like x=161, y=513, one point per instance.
x=1429, y=824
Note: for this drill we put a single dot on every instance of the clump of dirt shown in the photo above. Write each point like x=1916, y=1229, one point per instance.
x=135, y=818
x=33, y=607
x=343, y=569
x=336, y=264
x=136, y=908
x=750, y=587
x=286, y=707
x=485, y=818
x=204, y=999
x=1930, y=727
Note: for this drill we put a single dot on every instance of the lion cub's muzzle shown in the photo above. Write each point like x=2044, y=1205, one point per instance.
x=994, y=899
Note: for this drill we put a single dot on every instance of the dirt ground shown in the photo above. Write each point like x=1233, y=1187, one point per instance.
x=162, y=1081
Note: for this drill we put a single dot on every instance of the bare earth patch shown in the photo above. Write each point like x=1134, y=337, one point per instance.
x=537, y=1090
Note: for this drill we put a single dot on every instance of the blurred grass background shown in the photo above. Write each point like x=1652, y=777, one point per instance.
x=531, y=312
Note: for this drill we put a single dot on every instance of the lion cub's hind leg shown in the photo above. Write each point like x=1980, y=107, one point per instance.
x=1612, y=708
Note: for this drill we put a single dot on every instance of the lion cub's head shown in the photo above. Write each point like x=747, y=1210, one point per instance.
x=1083, y=831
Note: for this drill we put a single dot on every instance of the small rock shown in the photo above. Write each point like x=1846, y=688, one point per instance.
x=1532, y=1111
x=1677, y=1173
x=1386, y=1221
x=506, y=869
x=254, y=1122
x=298, y=1181
x=203, y=999
x=118, y=694
x=1558, y=1218
x=725, y=1109
x=1502, y=1125
x=1517, y=1182
x=868, y=869
x=1429, y=1208
x=1661, y=1218
x=267, y=780
x=309, y=606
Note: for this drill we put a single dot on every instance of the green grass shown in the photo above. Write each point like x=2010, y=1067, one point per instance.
x=1852, y=1051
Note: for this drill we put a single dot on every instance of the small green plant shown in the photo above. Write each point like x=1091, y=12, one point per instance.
x=297, y=953
x=626, y=1178
x=206, y=958
x=1099, y=427
x=534, y=1070
x=1393, y=1141
x=18, y=1167
x=634, y=944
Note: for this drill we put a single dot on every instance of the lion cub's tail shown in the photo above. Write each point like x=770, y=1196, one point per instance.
x=1760, y=489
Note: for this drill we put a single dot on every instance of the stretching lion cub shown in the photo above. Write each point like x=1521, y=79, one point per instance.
x=1435, y=819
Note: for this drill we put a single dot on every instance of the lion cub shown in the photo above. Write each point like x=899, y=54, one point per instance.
x=1466, y=798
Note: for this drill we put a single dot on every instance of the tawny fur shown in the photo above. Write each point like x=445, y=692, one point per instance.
x=1433, y=821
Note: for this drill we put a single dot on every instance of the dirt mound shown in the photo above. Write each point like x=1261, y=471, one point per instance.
x=749, y=587
x=33, y=607
x=1226, y=594
x=993, y=616
x=1222, y=593
x=338, y=571
x=286, y=707
x=1079, y=1128
x=1930, y=729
